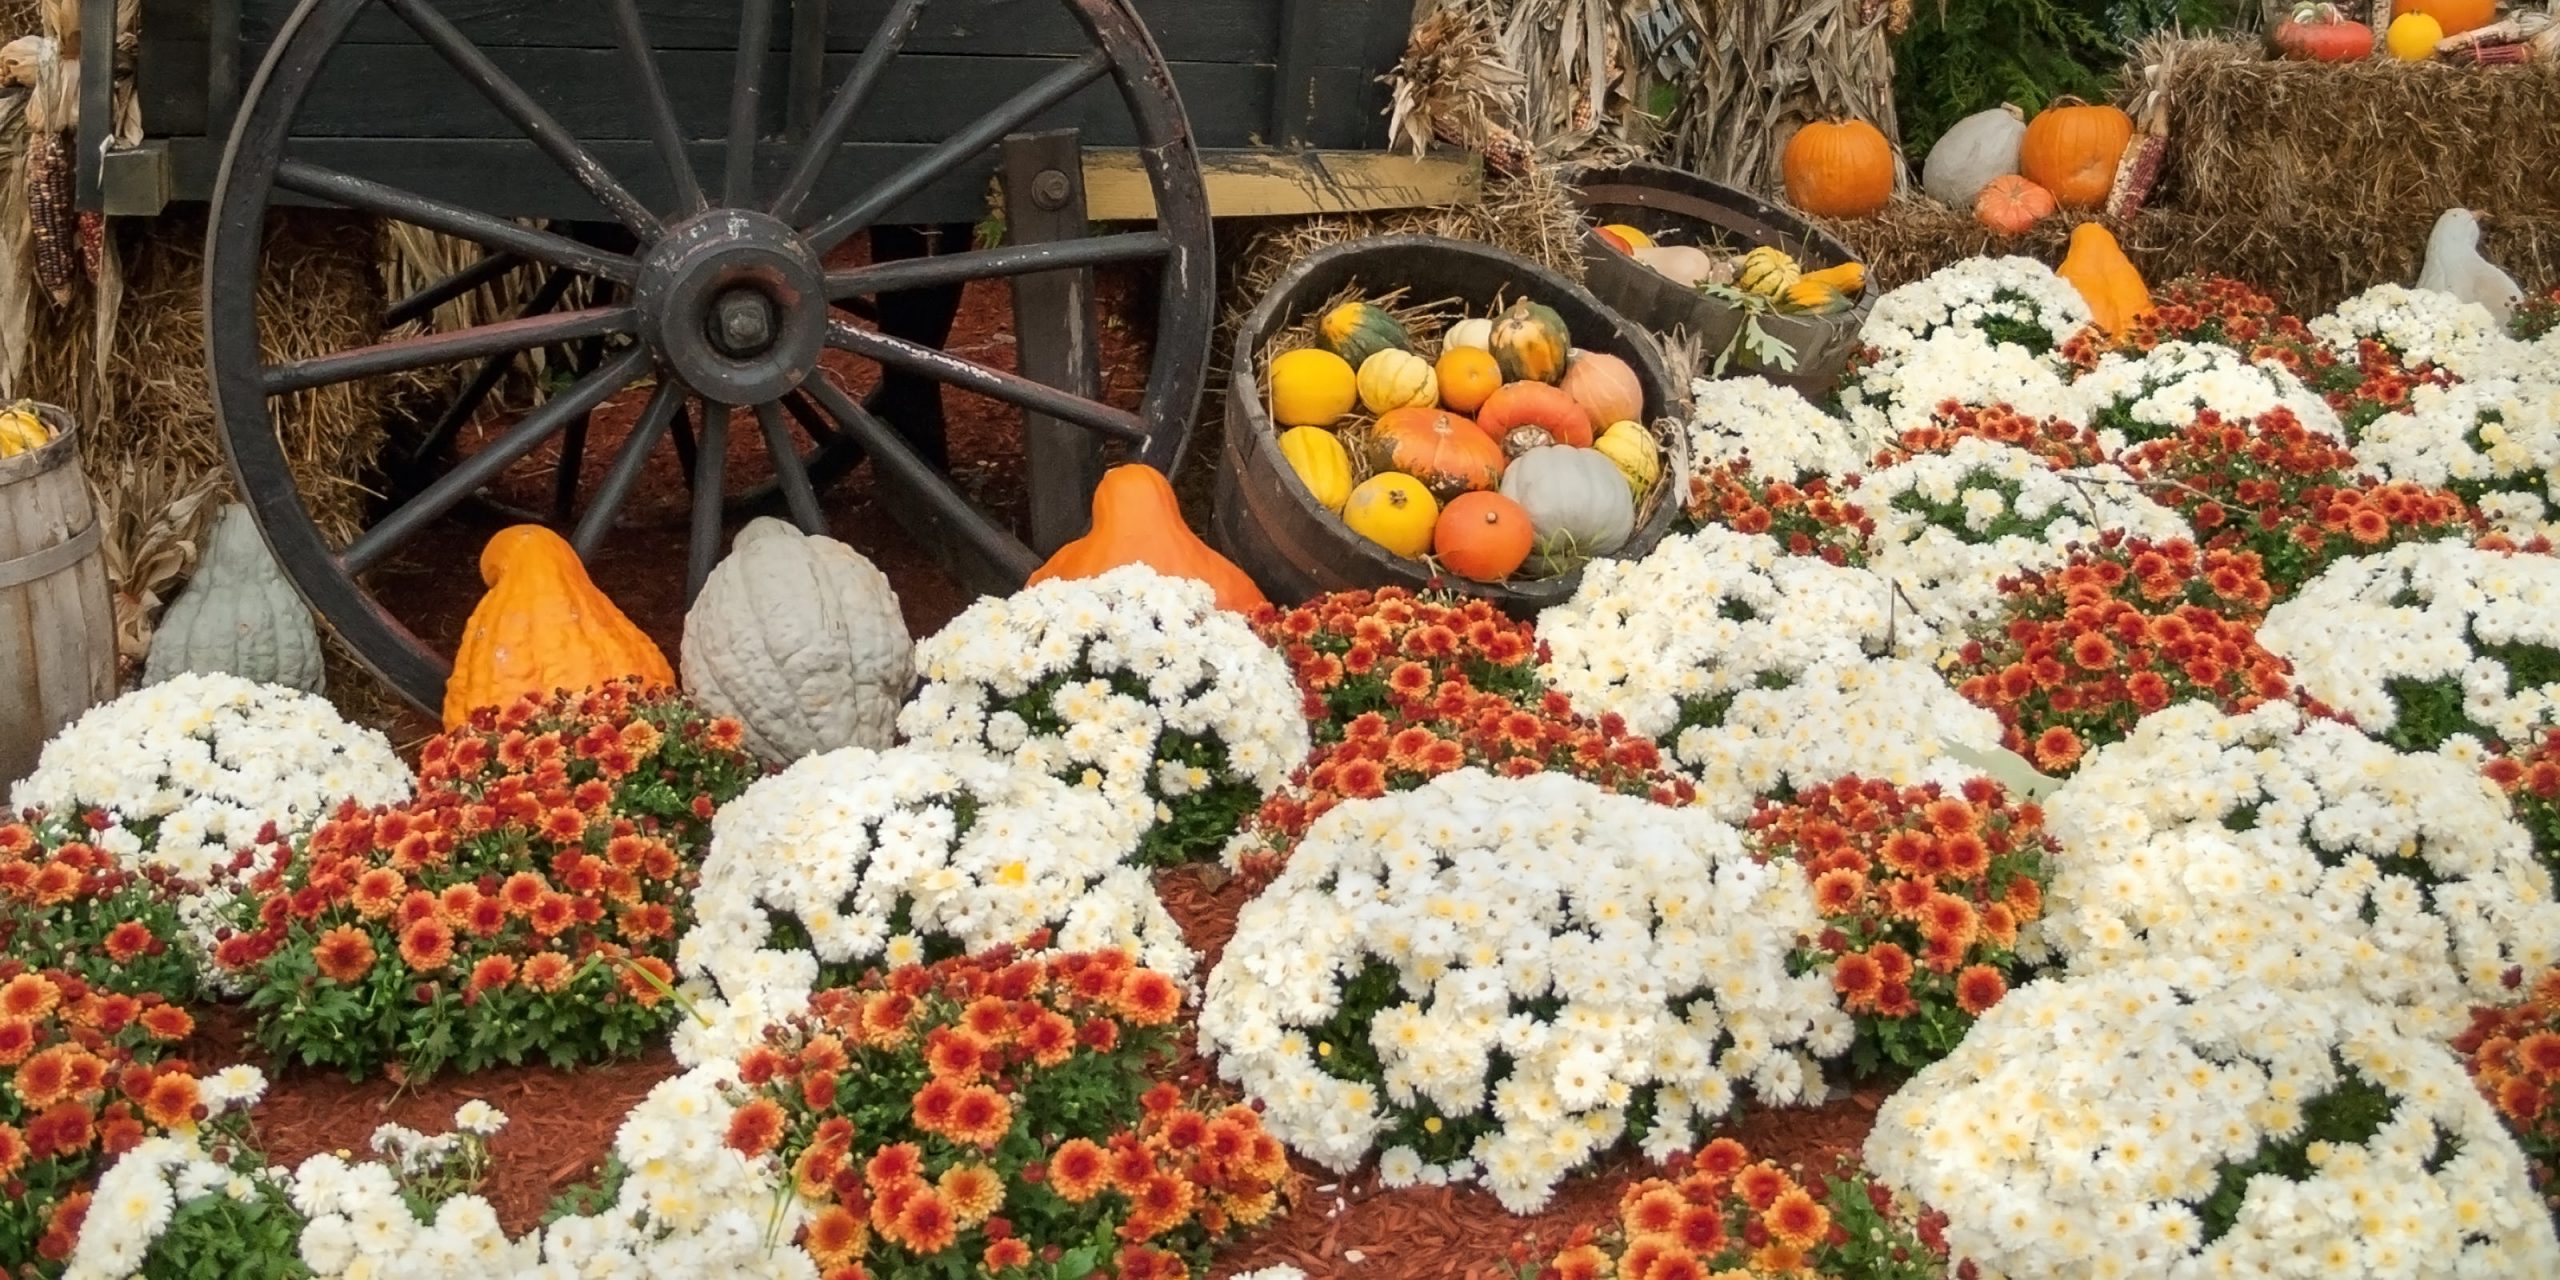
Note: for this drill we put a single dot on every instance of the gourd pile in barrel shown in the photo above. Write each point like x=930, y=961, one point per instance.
x=21, y=431
x=1767, y=274
x=1505, y=452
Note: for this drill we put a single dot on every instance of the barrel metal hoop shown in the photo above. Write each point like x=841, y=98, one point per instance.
x=50, y=561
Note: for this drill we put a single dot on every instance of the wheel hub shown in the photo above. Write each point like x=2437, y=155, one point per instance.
x=736, y=305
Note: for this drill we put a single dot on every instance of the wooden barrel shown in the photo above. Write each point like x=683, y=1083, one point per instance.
x=1717, y=218
x=1268, y=523
x=57, y=622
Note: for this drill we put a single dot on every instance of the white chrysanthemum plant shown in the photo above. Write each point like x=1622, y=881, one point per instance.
x=1488, y=976
x=1984, y=331
x=855, y=859
x=2428, y=640
x=2422, y=326
x=192, y=769
x=1761, y=672
x=2139, y=1124
x=1950, y=526
x=1132, y=685
x=2129, y=399
x=1772, y=432
x=2496, y=442
x=2293, y=851
x=687, y=1204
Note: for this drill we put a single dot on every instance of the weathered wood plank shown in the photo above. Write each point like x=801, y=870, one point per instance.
x=1258, y=183
x=57, y=629
x=1205, y=30
x=1057, y=334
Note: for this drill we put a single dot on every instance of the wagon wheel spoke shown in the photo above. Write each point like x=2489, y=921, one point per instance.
x=984, y=132
x=999, y=263
x=418, y=306
x=573, y=462
x=968, y=375
x=822, y=432
x=628, y=463
x=790, y=471
x=480, y=468
x=746, y=98
x=401, y=355
x=466, y=406
x=537, y=124
x=828, y=134
x=367, y=196
x=710, y=481
x=897, y=460
x=665, y=131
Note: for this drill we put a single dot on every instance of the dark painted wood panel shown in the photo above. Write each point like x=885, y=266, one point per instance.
x=1201, y=30
x=396, y=91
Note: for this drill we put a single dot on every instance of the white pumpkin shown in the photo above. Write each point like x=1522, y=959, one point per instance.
x=1980, y=147
x=801, y=641
x=1578, y=503
x=1468, y=333
x=238, y=616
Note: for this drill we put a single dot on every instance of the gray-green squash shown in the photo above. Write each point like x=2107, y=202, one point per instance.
x=801, y=641
x=238, y=616
x=1578, y=503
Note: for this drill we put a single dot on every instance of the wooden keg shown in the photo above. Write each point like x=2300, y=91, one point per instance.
x=57, y=620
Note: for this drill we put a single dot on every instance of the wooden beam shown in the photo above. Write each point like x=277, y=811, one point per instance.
x=1057, y=335
x=1257, y=184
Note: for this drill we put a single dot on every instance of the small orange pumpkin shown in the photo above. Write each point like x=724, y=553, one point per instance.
x=2012, y=206
x=542, y=628
x=2455, y=16
x=1448, y=453
x=1605, y=386
x=1468, y=376
x=1137, y=521
x=1483, y=536
x=1838, y=169
x=2072, y=149
x=1535, y=404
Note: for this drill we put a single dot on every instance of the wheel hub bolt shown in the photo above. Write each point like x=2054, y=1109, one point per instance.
x=742, y=323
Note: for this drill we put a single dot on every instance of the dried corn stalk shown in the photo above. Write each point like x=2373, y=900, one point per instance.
x=1771, y=67
x=156, y=515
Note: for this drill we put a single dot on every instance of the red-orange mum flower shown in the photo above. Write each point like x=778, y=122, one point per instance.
x=1079, y=1171
x=343, y=954
x=756, y=1128
x=427, y=945
x=1978, y=988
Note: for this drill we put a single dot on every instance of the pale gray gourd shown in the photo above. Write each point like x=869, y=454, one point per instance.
x=1578, y=503
x=1971, y=153
x=801, y=641
x=238, y=616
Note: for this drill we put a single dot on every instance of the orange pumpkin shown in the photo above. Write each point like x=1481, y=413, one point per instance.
x=1448, y=453
x=1535, y=404
x=541, y=629
x=1838, y=169
x=2012, y=206
x=1468, y=376
x=1137, y=521
x=1605, y=386
x=2072, y=149
x=1483, y=536
x=2455, y=16
x=2097, y=267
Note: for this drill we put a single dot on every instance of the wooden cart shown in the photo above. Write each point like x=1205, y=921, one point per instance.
x=673, y=179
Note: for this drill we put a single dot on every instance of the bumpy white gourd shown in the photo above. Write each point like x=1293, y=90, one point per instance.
x=800, y=639
x=2454, y=266
x=238, y=616
x=1971, y=153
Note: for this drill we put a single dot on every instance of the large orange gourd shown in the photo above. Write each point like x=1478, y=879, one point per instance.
x=2097, y=267
x=1137, y=521
x=542, y=627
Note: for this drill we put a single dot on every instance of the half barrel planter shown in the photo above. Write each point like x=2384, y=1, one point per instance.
x=57, y=620
x=1265, y=519
x=1719, y=219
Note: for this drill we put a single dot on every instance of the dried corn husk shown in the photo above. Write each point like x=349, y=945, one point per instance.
x=156, y=513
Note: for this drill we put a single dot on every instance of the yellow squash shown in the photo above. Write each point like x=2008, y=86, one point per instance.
x=1395, y=511
x=1311, y=388
x=1638, y=456
x=1321, y=463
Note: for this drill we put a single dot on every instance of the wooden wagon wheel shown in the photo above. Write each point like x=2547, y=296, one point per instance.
x=726, y=302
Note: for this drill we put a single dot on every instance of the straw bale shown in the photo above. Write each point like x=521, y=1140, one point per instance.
x=2354, y=144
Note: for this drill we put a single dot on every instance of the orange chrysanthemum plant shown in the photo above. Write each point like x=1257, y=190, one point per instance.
x=2289, y=495
x=2059, y=443
x=2513, y=1053
x=1457, y=726
x=1356, y=651
x=1922, y=893
x=1729, y=1217
x=526, y=904
x=82, y=1080
x=1811, y=518
x=2127, y=627
x=2537, y=317
x=2529, y=775
x=992, y=1116
x=66, y=903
